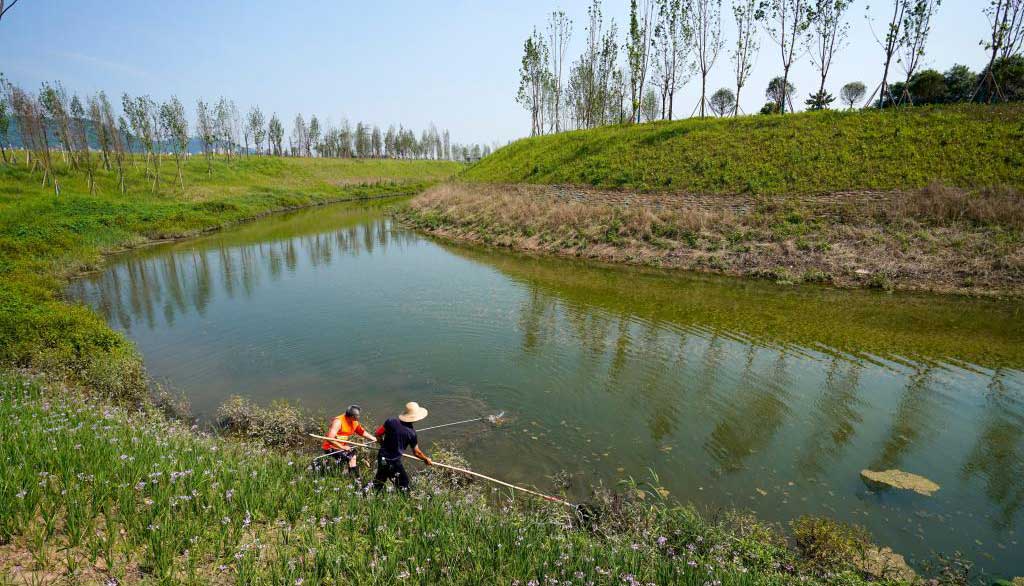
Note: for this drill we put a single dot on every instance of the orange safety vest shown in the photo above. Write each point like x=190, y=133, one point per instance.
x=348, y=428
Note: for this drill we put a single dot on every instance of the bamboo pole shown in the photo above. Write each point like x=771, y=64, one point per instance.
x=462, y=470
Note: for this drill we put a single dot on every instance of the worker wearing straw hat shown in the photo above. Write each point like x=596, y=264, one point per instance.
x=395, y=436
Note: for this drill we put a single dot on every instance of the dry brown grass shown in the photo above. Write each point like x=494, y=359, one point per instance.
x=936, y=239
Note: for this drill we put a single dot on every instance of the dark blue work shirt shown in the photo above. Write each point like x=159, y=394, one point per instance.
x=397, y=436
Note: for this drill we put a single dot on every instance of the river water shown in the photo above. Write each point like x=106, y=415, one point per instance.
x=735, y=393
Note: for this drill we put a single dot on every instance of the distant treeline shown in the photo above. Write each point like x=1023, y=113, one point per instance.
x=89, y=134
x=669, y=42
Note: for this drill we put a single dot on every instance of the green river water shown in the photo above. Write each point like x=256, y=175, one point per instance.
x=736, y=393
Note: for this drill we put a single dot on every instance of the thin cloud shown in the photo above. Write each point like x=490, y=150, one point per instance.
x=104, y=64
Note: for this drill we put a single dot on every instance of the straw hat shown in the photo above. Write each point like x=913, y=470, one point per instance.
x=413, y=412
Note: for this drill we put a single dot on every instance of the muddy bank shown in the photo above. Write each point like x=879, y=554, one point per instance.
x=936, y=239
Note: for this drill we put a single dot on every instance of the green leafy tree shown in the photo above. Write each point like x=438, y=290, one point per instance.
x=1005, y=40
x=256, y=124
x=533, y=77
x=722, y=102
x=960, y=83
x=275, y=133
x=778, y=89
x=1009, y=73
x=852, y=93
x=313, y=140
x=928, y=87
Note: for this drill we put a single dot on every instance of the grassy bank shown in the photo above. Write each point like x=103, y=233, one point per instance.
x=45, y=238
x=93, y=492
x=935, y=239
x=968, y=146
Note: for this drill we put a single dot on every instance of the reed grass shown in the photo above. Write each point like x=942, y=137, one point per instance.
x=93, y=492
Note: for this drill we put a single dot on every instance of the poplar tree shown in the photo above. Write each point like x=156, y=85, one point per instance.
x=175, y=125
x=917, y=25
x=54, y=99
x=706, y=27
x=745, y=51
x=313, y=138
x=5, y=124
x=275, y=133
x=257, y=127
x=533, y=79
x=671, y=41
x=826, y=35
x=890, y=44
x=559, y=34
x=103, y=138
x=206, y=127
x=80, y=142
x=638, y=51
x=786, y=21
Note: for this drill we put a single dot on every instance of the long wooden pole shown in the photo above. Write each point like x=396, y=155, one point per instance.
x=462, y=470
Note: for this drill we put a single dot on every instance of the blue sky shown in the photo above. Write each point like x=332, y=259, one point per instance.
x=450, y=62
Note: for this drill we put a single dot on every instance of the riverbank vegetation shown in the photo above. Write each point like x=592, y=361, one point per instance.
x=937, y=238
x=46, y=239
x=100, y=493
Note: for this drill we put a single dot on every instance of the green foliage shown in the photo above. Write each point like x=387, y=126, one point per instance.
x=901, y=148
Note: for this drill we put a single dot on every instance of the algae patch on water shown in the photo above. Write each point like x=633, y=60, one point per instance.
x=899, y=479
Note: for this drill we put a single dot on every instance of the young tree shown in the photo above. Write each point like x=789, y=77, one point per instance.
x=300, y=135
x=826, y=35
x=80, y=142
x=103, y=138
x=175, y=128
x=54, y=99
x=275, y=133
x=649, y=105
x=777, y=91
x=533, y=81
x=917, y=24
x=745, y=52
x=1006, y=26
x=852, y=93
x=671, y=41
x=116, y=134
x=706, y=28
x=206, y=126
x=5, y=124
x=638, y=51
x=723, y=102
x=313, y=140
x=890, y=44
x=559, y=34
x=31, y=118
x=257, y=127
x=785, y=21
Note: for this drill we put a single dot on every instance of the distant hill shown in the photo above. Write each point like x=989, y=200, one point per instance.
x=900, y=148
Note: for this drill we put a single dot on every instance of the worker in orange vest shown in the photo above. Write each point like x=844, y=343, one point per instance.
x=343, y=427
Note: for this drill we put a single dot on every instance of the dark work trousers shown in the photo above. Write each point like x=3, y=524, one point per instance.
x=390, y=470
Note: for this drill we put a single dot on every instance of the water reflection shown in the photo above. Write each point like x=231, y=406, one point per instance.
x=737, y=393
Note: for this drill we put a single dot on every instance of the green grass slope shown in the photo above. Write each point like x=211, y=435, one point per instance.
x=969, y=146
